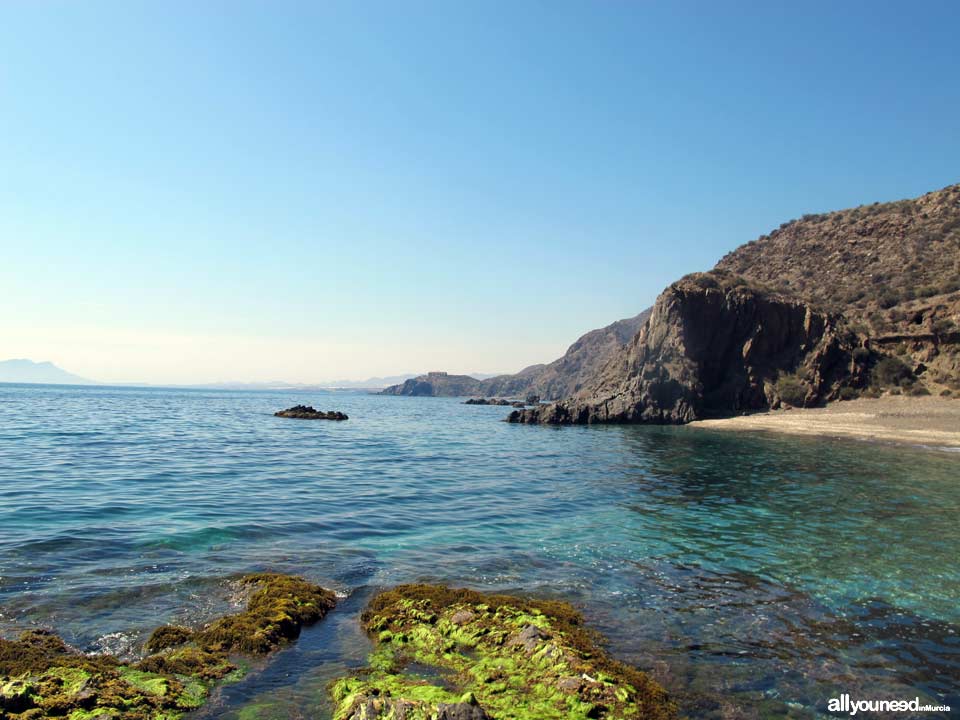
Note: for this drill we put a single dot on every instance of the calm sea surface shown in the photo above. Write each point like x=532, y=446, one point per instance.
x=754, y=576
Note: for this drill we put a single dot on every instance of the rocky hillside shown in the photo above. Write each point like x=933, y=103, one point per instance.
x=854, y=302
x=567, y=375
x=891, y=269
x=559, y=379
x=436, y=384
x=865, y=261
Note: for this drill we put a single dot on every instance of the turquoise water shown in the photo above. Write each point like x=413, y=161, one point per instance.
x=756, y=576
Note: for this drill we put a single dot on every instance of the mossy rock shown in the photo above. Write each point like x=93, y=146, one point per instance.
x=43, y=677
x=63, y=682
x=277, y=611
x=464, y=655
x=190, y=661
x=167, y=636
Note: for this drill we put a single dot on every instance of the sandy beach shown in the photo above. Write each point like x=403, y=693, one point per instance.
x=913, y=420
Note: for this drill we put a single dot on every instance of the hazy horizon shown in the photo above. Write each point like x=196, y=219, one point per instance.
x=30, y=371
x=250, y=192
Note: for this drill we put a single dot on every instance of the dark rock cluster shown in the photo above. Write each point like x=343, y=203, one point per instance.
x=495, y=401
x=308, y=412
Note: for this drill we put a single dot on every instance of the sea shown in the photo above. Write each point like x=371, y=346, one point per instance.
x=753, y=575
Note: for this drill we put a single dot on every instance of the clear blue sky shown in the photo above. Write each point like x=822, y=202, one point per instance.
x=199, y=191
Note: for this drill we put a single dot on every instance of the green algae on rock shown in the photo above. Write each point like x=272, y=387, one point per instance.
x=445, y=654
x=41, y=676
x=279, y=607
x=167, y=636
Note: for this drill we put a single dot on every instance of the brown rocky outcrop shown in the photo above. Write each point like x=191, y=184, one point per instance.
x=569, y=374
x=559, y=379
x=892, y=269
x=714, y=345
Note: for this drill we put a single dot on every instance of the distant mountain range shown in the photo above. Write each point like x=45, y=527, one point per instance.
x=28, y=371
x=373, y=383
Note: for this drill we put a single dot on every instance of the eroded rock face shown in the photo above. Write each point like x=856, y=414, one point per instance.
x=308, y=412
x=891, y=268
x=463, y=655
x=713, y=346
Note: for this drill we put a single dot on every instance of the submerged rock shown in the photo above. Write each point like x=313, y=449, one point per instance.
x=308, y=412
x=43, y=677
x=488, y=656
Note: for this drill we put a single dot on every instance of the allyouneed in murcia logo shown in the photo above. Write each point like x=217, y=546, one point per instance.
x=844, y=704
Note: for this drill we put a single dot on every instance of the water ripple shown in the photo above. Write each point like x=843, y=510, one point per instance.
x=773, y=570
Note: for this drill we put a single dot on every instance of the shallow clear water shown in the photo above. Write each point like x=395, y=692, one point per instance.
x=754, y=575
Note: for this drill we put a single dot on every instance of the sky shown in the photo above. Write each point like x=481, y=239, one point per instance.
x=252, y=191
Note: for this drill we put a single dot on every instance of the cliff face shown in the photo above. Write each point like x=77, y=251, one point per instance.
x=569, y=374
x=714, y=346
x=892, y=269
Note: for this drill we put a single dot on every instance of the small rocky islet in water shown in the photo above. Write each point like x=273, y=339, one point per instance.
x=308, y=412
x=495, y=401
x=490, y=656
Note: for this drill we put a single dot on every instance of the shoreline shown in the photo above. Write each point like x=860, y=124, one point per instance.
x=918, y=421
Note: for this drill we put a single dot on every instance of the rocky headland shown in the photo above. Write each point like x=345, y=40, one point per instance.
x=567, y=375
x=854, y=303
x=308, y=412
x=437, y=384
x=713, y=346
x=552, y=381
